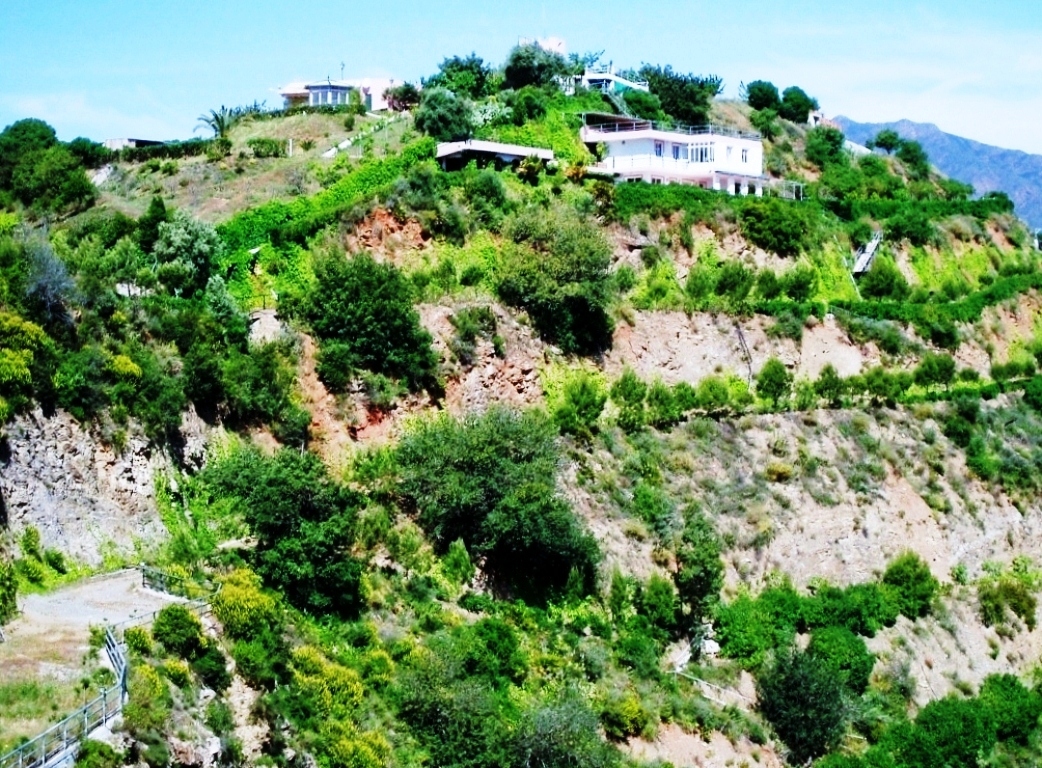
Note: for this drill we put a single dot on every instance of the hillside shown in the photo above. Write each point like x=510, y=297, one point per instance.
x=512, y=464
x=987, y=168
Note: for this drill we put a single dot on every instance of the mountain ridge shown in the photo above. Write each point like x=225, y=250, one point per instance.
x=988, y=168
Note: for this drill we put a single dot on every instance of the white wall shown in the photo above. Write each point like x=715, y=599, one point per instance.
x=631, y=143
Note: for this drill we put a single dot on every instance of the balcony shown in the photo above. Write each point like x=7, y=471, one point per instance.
x=602, y=131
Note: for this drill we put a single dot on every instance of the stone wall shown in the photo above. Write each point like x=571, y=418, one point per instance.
x=86, y=498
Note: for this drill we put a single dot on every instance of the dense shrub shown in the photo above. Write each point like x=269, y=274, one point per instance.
x=762, y=94
x=700, y=571
x=469, y=77
x=796, y=105
x=179, y=630
x=913, y=584
x=775, y=225
x=531, y=65
x=489, y=481
x=366, y=309
x=825, y=146
x=557, y=270
x=582, y=402
x=684, y=97
x=444, y=116
x=845, y=654
x=304, y=524
x=262, y=147
x=801, y=696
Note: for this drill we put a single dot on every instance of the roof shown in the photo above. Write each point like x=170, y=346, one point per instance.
x=492, y=148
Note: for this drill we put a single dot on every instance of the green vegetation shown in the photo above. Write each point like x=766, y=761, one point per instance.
x=441, y=598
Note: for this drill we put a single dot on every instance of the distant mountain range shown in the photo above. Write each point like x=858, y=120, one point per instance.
x=986, y=167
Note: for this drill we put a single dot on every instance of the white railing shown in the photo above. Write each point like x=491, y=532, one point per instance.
x=629, y=126
x=64, y=737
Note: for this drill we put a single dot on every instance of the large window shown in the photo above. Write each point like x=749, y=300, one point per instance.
x=703, y=153
x=658, y=149
x=676, y=151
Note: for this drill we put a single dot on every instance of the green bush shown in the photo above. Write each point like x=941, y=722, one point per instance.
x=219, y=717
x=581, y=406
x=629, y=393
x=489, y=480
x=914, y=586
x=845, y=654
x=212, y=668
x=8, y=591
x=262, y=147
x=444, y=116
x=1013, y=708
x=55, y=561
x=138, y=640
x=179, y=631
x=304, y=523
x=557, y=270
x=97, y=754
x=366, y=309
x=774, y=382
x=700, y=571
x=775, y=225
x=802, y=697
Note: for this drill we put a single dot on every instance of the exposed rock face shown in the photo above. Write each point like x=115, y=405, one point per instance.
x=85, y=498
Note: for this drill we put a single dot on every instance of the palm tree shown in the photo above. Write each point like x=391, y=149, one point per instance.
x=219, y=121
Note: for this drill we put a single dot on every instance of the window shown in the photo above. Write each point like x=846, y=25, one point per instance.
x=703, y=153
x=676, y=151
x=658, y=149
x=745, y=155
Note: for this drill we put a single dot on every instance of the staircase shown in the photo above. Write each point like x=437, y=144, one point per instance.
x=865, y=256
x=619, y=103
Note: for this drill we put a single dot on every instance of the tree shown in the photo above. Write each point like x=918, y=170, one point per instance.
x=557, y=269
x=490, y=480
x=366, y=307
x=913, y=584
x=762, y=94
x=304, y=523
x=52, y=180
x=803, y=699
x=845, y=654
x=825, y=146
x=148, y=224
x=829, y=386
x=934, y=369
x=444, y=116
x=402, y=97
x=1033, y=393
x=644, y=105
x=186, y=251
x=700, y=571
x=684, y=97
x=912, y=154
x=468, y=77
x=220, y=121
x=532, y=65
x=774, y=381
x=884, y=281
x=18, y=140
x=765, y=121
x=886, y=140
x=796, y=105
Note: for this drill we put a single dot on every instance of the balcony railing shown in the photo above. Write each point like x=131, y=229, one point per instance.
x=641, y=163
x=629, y=126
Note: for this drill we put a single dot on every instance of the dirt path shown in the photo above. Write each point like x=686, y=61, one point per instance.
x=50, y=636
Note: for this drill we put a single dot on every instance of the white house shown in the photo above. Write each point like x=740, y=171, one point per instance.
x=710, y=156
x=604, y=78
x=332, y=93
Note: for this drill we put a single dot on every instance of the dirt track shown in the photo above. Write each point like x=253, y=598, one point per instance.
x=50, y=636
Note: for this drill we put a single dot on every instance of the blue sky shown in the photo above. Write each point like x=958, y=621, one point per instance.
x=113, y=68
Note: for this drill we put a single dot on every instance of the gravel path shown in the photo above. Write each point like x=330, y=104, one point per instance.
x=52, y=630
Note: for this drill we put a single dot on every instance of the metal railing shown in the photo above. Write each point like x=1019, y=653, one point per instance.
x=628, y=126
x=58, y=740
x=68, y=733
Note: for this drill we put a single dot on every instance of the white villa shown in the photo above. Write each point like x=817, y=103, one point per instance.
x=709, y=156
x=332, y=93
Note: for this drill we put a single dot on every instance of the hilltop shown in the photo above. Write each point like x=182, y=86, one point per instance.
x=506, y=461
x=987, y=168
